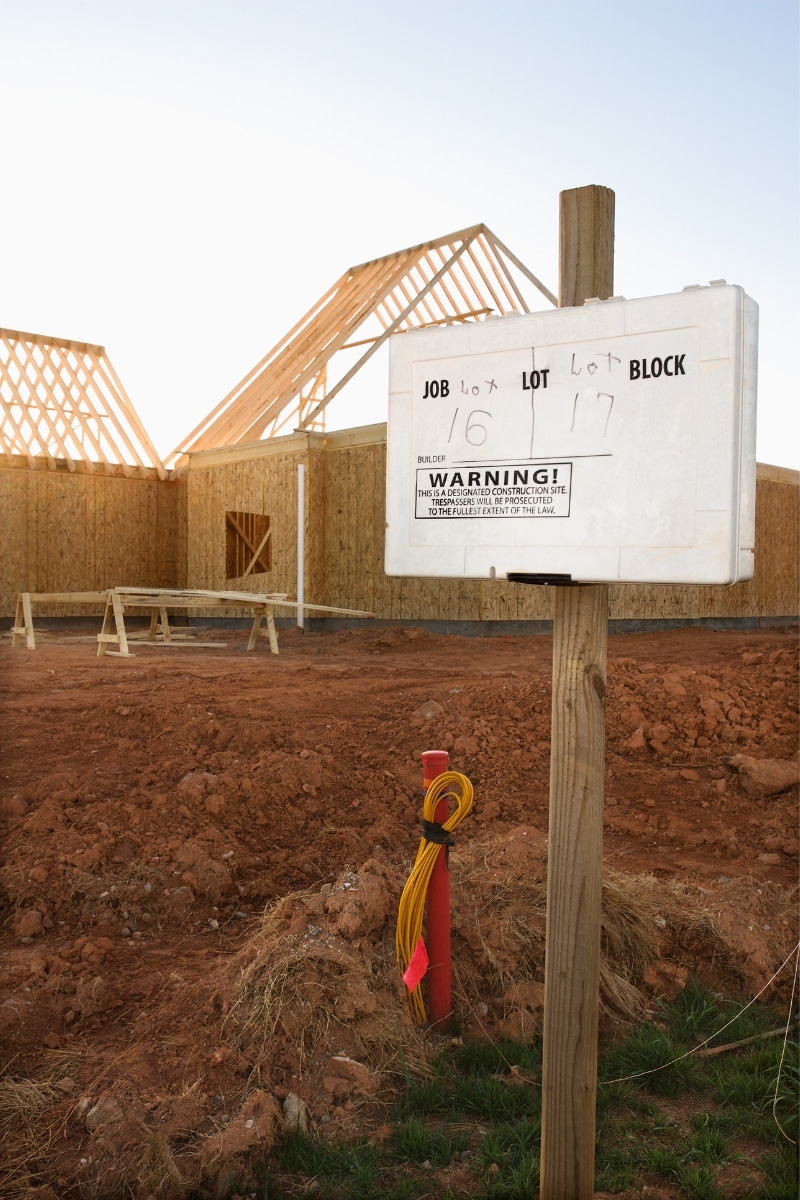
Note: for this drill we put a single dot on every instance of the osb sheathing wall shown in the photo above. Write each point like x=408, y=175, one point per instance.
x=84, y=531
x=354, y=521
x=261, y=479
x=345, y=516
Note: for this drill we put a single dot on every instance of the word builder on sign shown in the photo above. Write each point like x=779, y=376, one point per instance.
x=610, y=443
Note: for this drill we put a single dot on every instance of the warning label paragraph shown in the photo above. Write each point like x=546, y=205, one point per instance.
x=493, y=490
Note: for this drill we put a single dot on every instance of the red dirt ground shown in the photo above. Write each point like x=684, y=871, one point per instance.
x=152, y=806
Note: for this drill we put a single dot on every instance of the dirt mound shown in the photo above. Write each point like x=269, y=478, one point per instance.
x=311, y=1012
x=204, y=852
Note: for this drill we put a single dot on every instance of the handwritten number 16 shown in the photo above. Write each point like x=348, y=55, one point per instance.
x=475, y=433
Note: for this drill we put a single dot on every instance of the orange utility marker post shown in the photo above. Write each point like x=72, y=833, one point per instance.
x=440, y=1006
x=577, y=763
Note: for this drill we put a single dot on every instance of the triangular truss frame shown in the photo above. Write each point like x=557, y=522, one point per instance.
x=62, y=401
x=464, y=276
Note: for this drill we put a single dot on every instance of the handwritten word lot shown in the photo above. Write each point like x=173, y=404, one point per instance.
x=435, y=389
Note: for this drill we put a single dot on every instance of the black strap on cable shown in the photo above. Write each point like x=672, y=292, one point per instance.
x=432, y=831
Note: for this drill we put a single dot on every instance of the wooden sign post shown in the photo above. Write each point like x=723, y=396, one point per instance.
x=577, y=764
x=615, y=444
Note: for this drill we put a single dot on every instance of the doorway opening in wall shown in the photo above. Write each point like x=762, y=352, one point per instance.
x=248, y=544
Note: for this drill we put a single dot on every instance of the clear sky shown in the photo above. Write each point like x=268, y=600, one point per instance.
x=181, y=181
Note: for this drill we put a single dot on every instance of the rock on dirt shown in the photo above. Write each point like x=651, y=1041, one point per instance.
x=346, y=1077
x=257, y=1124
x=107, y=1110
x=360, y=904
x=295, y=1114
x=764, y=776
x=28, y=923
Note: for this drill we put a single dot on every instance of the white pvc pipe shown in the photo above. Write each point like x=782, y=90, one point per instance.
x=301, y=541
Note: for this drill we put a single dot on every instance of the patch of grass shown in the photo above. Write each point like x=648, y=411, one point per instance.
x=750, y=1085
x=786, y=1096
x=782, y=1174
x=661, y=1160
x=745, y=1021
x=648, y=1055
x=510, y=1143
x=725, y=1097
x=495, y=1100
x=616, y=1098
x=710, y=1142
x=694, y=1014
x=678, y=1127
x=698, y=1181
x=425, y=1097
x=495, y=1058
x=417, y=1142
x=631, y=1139
x=615, y=1173
x=520, y=1181
x=494, y=1095
x=332, y=1161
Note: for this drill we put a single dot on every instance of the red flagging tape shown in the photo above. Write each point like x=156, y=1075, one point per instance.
x=417, y=967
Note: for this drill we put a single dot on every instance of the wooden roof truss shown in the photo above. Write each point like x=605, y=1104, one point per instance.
x=464, y=276
x=63, y=401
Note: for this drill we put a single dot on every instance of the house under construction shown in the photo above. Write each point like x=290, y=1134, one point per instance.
x=87, y=504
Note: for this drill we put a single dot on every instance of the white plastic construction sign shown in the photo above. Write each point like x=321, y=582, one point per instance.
x=613, y=442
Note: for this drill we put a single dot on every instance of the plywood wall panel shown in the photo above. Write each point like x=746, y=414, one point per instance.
x=196, y=522
x=777, y=564
x=315, y=526
x=774, y=588
x=84, y=531
x=628, y=602
x=14, y=562
x=266, y=485
x=37, y=530
x=171, y=533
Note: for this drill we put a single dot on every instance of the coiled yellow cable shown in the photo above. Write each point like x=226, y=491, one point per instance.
x=454, y=786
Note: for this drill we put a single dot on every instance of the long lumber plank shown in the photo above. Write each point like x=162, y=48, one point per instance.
x=184, y=597
x=68, y=597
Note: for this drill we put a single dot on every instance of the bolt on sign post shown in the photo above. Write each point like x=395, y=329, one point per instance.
x=440, y=1007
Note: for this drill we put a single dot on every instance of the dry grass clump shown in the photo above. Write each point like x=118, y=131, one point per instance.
x=499, y=905
x=298, y=981
x=392, y=1042
x=630, y=928
x=156, y=1172
x=269, y=995
x=25, y=1134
